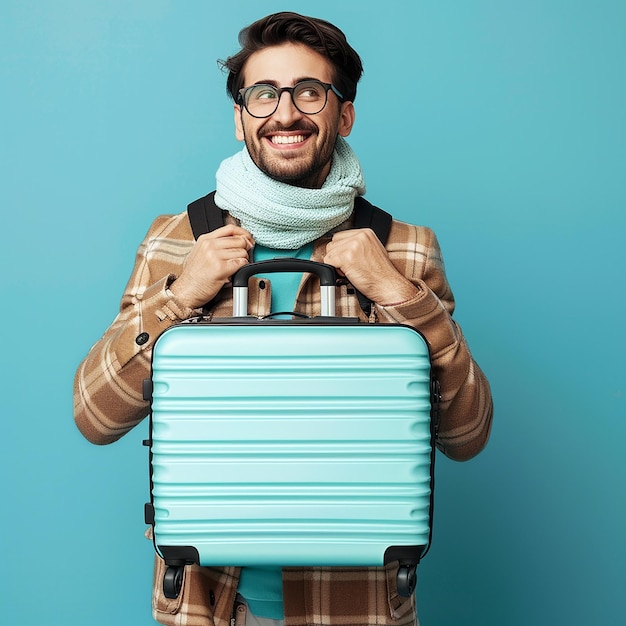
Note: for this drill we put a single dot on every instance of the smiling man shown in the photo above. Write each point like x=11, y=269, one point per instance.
x=290, y=191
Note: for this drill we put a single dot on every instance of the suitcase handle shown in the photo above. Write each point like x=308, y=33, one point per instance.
x=325, y=272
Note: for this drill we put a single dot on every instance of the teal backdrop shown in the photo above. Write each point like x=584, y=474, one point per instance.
x=500, y=124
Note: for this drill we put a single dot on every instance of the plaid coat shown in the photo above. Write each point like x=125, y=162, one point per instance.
x=108, y=403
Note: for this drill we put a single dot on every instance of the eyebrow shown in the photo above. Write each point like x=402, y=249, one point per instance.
x=275, y=83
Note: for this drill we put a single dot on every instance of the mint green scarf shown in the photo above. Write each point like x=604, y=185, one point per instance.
x=283, y=216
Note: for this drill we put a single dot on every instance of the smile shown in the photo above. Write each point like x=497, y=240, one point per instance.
x=287, y=139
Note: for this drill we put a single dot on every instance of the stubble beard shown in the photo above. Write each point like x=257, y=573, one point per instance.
x=307, y=171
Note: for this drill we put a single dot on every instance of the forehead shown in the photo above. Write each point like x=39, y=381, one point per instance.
x=285, y=65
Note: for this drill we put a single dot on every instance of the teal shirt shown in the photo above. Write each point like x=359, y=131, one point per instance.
x=262, y=587
x=284, y=285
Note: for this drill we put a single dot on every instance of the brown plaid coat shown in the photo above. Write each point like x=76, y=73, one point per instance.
x=108, y=403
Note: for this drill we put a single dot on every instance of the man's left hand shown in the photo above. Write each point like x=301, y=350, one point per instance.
x=359, y=255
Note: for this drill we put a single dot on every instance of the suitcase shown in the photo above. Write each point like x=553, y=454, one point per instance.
x=291, y=442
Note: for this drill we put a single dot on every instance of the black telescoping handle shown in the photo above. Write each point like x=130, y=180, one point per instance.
x=326, y=273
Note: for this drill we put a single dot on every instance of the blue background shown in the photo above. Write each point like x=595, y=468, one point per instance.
x=499, y=124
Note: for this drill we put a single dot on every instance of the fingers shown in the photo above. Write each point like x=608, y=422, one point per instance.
x=229, y=236
x=357, y=247
x=363, y=259
x=222, y=250
x=350, y=232
x=214, y=258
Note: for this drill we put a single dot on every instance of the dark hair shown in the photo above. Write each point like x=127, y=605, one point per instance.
x=288, y=27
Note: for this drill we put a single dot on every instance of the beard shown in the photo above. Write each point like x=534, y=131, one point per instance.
x=308, y=169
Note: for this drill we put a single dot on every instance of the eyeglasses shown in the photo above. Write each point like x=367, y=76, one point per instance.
x=308, y=96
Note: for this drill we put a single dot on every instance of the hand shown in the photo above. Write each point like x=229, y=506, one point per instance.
x=214, y=258
x=361, y=257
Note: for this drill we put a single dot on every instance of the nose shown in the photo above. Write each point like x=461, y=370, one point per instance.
x=286, y=112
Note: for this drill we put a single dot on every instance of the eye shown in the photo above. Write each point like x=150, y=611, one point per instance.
x=263, y=92
x=309, y=91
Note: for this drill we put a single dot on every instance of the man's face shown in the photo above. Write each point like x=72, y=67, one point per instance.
x=290, y=146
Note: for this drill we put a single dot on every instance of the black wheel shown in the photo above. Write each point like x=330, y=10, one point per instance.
x=173, y=581
x=407, y=580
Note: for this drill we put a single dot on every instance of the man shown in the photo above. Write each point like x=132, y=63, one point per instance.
x=290, y=191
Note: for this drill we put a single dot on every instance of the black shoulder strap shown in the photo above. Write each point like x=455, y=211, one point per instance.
x=205, y=216
x=366, y=215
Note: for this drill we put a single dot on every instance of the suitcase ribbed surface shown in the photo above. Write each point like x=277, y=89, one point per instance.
x=291, y=444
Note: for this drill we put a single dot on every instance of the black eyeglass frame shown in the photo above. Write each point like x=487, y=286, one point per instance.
x=242, y=100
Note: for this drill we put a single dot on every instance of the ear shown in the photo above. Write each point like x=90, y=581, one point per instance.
x=239, y=135
x=347, y=116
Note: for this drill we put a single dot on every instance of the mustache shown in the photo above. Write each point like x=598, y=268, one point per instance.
x=301, y=126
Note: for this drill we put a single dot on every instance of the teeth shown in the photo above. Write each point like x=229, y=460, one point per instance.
x=284, y=139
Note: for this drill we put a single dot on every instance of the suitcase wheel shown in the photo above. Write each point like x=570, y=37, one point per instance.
x=173, y=581
x=406, y=579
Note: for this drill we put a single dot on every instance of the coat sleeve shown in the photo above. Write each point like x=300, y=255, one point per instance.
x=108, y=399
x=466, y=404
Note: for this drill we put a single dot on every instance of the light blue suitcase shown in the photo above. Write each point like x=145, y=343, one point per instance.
x=304, y=442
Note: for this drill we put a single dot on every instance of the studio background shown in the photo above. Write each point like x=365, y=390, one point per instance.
x=499, y=124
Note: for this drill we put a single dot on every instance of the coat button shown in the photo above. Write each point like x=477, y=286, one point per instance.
x=142, y=338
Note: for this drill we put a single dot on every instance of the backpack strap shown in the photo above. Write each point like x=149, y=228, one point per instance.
x=205, y=216
x=366, y=215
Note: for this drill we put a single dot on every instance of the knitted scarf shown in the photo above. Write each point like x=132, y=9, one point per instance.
x=283, y=216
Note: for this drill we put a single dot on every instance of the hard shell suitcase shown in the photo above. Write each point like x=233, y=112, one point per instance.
x=300, y=442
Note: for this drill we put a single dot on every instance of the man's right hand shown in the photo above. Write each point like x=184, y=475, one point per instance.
x=214, y=258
